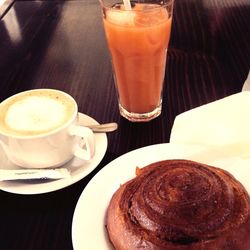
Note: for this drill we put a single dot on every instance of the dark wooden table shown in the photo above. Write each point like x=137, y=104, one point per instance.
x=61, y=44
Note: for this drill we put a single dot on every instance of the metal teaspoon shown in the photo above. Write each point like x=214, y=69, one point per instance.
x=103, y=128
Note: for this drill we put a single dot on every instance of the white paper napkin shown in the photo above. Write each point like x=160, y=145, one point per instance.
x=223, y=122
x=246, y=85
x=222, y=129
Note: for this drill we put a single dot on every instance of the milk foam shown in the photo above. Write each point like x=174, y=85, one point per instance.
x=35, y=114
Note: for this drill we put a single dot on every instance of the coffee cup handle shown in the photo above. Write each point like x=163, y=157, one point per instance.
x=89, y=142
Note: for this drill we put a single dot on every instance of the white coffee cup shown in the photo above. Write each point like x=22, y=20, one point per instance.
x=39, y=129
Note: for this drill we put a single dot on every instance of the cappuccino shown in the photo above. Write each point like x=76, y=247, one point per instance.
x=35, y=112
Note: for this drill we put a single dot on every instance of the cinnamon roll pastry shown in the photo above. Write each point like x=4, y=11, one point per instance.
x=180, y=205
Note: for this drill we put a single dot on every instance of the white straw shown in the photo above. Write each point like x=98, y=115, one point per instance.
x=127, y=4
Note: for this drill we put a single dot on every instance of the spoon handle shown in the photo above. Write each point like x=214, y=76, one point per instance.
x=103, y=128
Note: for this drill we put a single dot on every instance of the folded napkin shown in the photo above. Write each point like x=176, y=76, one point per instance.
x=222, y=130
x=246, y=85
x=223, y=122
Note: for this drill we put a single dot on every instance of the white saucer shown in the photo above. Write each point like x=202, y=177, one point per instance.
x=88, y=225
x=79, y=169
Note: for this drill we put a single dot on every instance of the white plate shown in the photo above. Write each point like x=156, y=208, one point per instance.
x=88, y=227
x=79, y=169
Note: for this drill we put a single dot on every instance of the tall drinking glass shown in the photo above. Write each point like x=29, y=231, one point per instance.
x=138, y=40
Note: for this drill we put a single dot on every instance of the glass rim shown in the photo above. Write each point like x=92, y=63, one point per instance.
x=108, y=7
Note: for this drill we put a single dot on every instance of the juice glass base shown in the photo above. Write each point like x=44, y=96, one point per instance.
x=140, y=117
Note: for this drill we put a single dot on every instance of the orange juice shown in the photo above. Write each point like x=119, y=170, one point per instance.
x=138, y=42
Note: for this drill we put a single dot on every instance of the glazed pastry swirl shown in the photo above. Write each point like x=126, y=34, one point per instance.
x=179, y=203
